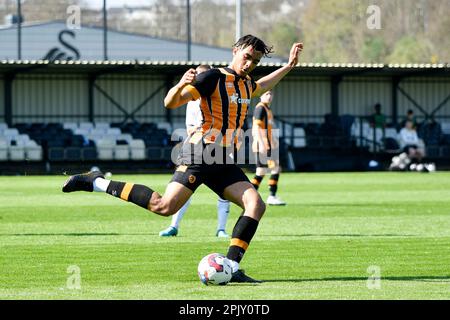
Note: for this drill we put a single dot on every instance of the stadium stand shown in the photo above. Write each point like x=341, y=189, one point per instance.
x=84, y=141
x=340, y=141
x=16, y=145
x=3, y=150
x=306, y=145
x=333, y=133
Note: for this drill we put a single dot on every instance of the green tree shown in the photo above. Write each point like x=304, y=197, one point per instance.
x=373, y=50
x=437, y=22
x=282, y=36
x=411, y=49
x=328, y=30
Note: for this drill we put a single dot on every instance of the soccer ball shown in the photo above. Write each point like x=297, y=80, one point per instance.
x=214, y=269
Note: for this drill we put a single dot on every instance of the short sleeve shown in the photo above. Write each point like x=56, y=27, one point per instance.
x=206, y=83
x=259, y=113
x=255, y=86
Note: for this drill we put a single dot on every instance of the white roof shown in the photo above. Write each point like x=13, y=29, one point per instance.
x=39, y=38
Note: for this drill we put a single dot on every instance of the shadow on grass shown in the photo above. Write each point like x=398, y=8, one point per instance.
x=404, y=278
x=93, y=234
x=74, y=234
x=345, y=205
x=342, y=235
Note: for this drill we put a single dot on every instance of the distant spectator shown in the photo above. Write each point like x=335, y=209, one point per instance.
x=410, y=117
x=377, y=119
x=431, y=132
x=410, y=142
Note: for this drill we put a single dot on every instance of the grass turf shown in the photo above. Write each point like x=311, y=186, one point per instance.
x=320, y=246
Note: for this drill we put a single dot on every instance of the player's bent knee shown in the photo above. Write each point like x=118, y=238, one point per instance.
x=163, y=208
x=168, y=210
x=261, y=206
x=256, y=207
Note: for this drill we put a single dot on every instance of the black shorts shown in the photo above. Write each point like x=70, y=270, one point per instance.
x=195, y=166
x=217, y=177
x=202, y=153
x=267, y=160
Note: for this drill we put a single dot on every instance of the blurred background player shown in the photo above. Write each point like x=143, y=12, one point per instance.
x=265, y=146
x=194, y=120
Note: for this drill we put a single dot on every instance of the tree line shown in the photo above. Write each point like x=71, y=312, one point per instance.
x=345, y=31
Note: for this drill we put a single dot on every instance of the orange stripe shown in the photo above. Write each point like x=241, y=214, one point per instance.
x=254, y=181
x=243, y=105
x=207, y=116
x=211, y=128
x=232, y=109
x=272, y=182
x=239, y=243
x=259, y=123
x=126, y=191
x=217, y=112
x=244, y=108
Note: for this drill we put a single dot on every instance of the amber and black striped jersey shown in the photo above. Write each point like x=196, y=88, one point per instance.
x=225, y=99
x=263, y=119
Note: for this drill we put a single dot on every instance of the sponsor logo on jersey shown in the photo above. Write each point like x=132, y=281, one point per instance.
x=235, y=99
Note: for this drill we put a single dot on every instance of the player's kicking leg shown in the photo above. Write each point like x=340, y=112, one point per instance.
x=174, y=197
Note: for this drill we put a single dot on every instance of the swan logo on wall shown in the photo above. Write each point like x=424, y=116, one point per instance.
x=57, y=53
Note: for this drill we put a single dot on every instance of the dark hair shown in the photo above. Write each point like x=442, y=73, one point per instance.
x=254, y=42
x=202, y=68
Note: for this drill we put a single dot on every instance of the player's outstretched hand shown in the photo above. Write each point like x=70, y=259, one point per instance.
x=187, y=78
x=293, y=56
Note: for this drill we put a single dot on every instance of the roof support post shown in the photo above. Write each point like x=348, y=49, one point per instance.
x=394, y=92
x=8, y=97
x=335, y=95
x=169, y=85
x=91, y=92
x=105, y=31
x=19, y=30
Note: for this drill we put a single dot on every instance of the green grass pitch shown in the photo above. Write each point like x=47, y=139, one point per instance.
x=336, y=234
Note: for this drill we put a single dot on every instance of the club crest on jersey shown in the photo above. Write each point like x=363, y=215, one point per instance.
x=192, y=178
x=235, y=99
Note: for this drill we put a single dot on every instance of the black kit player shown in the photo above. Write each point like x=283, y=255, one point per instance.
x=205, y=156
x=266, y=147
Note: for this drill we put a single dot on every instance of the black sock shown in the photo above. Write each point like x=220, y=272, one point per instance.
x=243, y=233
x=135, y=193
x=273, y=184
x=256, y=181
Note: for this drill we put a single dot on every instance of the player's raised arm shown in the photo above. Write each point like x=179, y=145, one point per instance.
x=178, y=95
x=268, y=82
